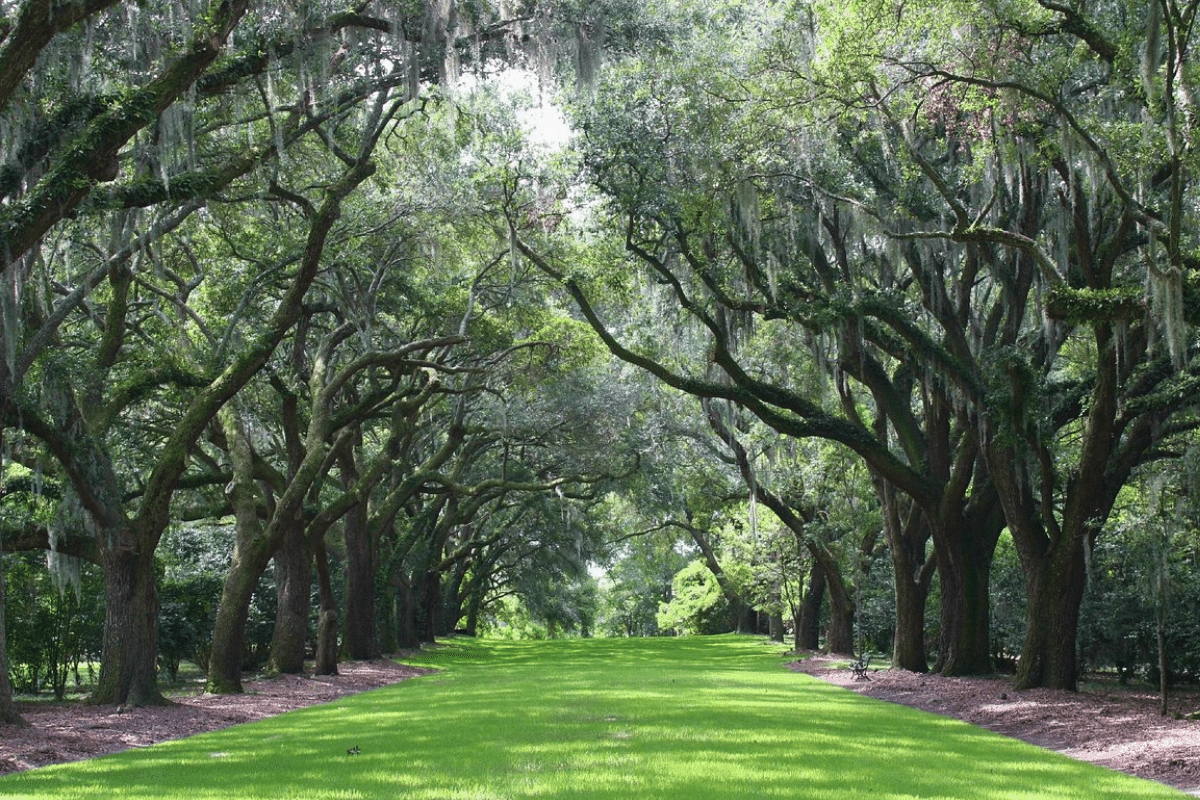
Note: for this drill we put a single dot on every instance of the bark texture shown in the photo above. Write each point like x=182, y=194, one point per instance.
x=129, y=667
x=293, y=593
x=360, y=637
x=809, y=629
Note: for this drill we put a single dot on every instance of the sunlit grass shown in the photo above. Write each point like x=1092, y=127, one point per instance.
x=669, y=718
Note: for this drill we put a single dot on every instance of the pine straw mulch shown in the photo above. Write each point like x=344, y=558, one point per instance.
x=72, y=731
x=1114, y=726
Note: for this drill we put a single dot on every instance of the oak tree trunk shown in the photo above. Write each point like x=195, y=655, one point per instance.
x=964, y=544
x=454, y=596
x=1055, y=585
x=908, y=639
x=293, y=592
x=908, y=534
x=471, y=626
x=1163, y=676
x=387, y=615
x=965, y=614
x=809, y=627
x=327, y=622
x=775, y=625
x=128, y=667
x=839, y=636
x=233, y=610
x=407, y=629
x=8, y=709
x=361, y=642
x=429, y=612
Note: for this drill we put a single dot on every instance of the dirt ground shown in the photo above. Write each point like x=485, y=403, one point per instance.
x=1112, y=726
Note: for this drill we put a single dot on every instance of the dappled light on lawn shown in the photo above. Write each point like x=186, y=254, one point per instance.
x=700, y=717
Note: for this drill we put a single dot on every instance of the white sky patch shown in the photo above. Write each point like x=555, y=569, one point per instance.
x=543, y=121
x=547, y=126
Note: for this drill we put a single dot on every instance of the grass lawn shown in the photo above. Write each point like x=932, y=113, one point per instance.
x=703, y=717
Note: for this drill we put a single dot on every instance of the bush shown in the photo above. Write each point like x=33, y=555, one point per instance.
x=187, y=607
x=1007, y=584
x=54, y=627
x=510, y=619
x=1119, y=629
x=875, y=619
x=697, y=605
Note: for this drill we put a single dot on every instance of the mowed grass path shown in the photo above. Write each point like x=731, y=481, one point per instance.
x=690, y=718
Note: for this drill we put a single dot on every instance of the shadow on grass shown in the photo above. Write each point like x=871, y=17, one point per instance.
x=679, y=718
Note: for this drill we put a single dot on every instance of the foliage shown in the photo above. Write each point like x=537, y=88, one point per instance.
x=638, y=571
x=193, y=560
x=1008, y=605
x=929, y=262
x=899, y=194
x=697, y=605
x=53, y=627
x=185, y=617
x=1147, y=576
x=875, y=613
x=510, y=618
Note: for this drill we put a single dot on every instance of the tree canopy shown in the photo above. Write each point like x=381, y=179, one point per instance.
x=822, y=302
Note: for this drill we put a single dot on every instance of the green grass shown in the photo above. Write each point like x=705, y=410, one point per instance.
x=668, y=718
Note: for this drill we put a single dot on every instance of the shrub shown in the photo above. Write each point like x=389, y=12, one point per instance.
x=697, y=605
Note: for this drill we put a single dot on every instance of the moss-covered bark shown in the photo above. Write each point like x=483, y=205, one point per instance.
x=965, y=648
x=229, y=627
x=91, y=156
x=907, y=532
x=808, y=634
x=37, y=24
x=256, y=545
x=327, y=621
x=839, y=636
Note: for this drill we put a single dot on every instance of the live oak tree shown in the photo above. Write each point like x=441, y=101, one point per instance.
x=687, y=486
x=164, y=120
x=60, y=144
x=378, y=404
x=696, y=484
x=971, y=218
x=804, y=514
x=330, y=429
x=507, y=513
x=955, y=238
x=1050, y=144
x=150, y=126
x=743, y=249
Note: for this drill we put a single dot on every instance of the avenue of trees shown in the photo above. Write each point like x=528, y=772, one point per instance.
x=866, y=321
x=974, y=220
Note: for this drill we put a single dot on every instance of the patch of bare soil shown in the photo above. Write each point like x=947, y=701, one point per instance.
x=60, y=732
x=1113, y=726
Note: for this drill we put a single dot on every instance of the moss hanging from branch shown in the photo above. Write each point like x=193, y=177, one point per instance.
x=1081, y=306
